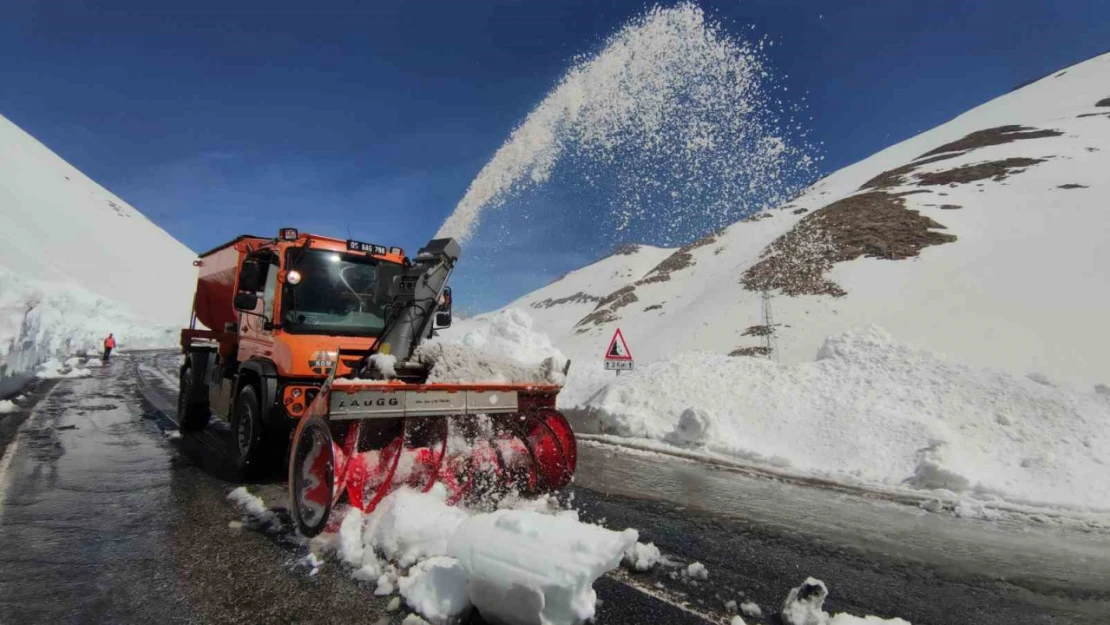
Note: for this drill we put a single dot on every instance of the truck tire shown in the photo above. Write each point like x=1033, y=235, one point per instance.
x=251, y=452
x=192, y=415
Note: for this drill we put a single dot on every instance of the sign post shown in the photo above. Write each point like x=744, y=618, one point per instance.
x=618, y=357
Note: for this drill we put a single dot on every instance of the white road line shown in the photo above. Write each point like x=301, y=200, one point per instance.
x=620, y=575
x=9, y=453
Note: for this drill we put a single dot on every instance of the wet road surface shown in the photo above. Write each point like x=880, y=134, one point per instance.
x=110, y=521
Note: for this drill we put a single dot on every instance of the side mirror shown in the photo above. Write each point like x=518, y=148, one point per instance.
x=443, y=311
x=252, y=277
x=245, y=301
x=443, y=320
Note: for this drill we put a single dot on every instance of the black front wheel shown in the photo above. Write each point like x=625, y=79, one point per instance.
x=192, y=415
x=253, y=456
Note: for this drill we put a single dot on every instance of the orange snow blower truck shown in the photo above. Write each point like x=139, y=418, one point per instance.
x=317, y=337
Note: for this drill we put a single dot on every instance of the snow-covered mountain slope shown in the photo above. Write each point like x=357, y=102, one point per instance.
x=984, y=239
x=79, y=262
x=558, y=306
x=61, y=226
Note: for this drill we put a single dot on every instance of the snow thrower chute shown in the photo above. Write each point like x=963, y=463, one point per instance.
x=384, y=426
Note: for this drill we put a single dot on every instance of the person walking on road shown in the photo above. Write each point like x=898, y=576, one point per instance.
x=109, y=345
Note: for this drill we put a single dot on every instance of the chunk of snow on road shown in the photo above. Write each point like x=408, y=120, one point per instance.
x=54, y=370
x=410, y=525
x=255, y=507
x=529, y=567
x=803, y=606
x=436, y=588
x=736, y=620
x=314, y=563
x=414, y=619
x=751, y=609
x=93, y=363
x=350, y=546
x=730, y=605
x=7, y=406
x=696, y=570
x=393, y=605
x=173, y=434
x=385, y=584
x=870, y=410
x=642, y=556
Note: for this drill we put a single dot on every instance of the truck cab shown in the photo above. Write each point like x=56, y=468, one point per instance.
x=278, y=314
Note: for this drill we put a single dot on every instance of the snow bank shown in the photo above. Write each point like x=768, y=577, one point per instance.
x=871, y=410
x=499, y=348
x=40, y=321
x=803, y=607
x=7, y=406
x=529, y=564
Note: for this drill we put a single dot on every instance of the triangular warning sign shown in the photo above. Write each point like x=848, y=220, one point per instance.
x=618, y=348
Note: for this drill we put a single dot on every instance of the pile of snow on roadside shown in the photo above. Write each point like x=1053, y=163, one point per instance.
x=873, y=411
x=524, y=565
x=803, y=607
x=7, y=406
x=500, y=348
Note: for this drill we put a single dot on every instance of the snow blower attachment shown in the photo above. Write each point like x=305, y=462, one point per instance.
x=385, y=427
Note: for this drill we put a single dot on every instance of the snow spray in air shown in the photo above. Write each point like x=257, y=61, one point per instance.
x=684, y=123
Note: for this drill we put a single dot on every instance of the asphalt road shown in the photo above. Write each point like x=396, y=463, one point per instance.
x=105, y=519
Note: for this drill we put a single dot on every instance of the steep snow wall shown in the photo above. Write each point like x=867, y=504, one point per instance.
x=62, y=227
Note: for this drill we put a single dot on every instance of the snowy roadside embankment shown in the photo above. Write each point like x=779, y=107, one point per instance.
x=868, y=411
x=40, y=321
x=873, y=411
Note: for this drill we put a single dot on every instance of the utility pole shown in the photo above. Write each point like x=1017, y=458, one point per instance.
x=770, y=342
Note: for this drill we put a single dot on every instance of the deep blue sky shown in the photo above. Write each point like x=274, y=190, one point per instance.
x=375, y=116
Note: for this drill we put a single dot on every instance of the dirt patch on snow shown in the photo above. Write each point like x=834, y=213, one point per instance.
x=897, y=176
x=578, y=298
x=1103, y=102
x=757, y=331
x=993, y=136
x=1107, y=115
x=875, y=224
x=678, y=261
x=994, y=170
x=950, y=207
x=1072, y=185
x=750, y=351
x=627, y=249
x=607, y=308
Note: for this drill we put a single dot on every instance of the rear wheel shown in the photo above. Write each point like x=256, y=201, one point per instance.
x=253, y=456
x=191, y=414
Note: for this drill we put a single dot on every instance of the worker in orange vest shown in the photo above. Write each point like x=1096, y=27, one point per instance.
x=109, y=345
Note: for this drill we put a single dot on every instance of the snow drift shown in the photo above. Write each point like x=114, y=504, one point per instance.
x=868, y=410
x=872, y=410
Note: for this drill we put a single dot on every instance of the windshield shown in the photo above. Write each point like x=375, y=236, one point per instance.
x=337, y=294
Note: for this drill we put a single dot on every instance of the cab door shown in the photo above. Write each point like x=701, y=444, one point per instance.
x=256, y=324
